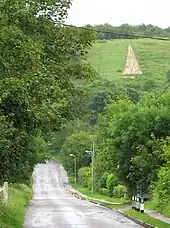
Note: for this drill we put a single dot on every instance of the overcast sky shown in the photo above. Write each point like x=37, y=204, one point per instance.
x=116, y=12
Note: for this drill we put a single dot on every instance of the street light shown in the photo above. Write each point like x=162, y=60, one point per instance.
x=92, y=168
x=75, y=168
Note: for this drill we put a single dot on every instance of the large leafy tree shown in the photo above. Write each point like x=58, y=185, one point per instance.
x=163, y=183
x=77, y=144
x=36, y=64
x=133, y=132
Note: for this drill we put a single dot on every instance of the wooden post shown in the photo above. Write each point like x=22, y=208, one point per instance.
x=5, y=193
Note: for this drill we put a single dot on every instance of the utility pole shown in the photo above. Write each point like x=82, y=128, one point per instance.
x=75, y=168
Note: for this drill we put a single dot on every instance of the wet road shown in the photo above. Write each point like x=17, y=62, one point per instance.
x=53, y=207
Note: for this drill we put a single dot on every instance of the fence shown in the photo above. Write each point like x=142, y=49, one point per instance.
x=4, y=190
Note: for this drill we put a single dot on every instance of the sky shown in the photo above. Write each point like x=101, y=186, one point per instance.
x=117, y=12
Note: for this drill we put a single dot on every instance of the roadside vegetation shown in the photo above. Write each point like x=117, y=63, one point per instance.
x=39, y=59
x=128, y=121
x=13, y=214
x=60, y=92
x=97, y=195
x=146, y=219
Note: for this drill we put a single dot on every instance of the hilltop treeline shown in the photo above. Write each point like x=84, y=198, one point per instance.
x=130, y=30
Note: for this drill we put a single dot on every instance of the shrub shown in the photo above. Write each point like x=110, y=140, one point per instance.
x=84, y=175
x=119, y=191
x=90, y=183
x=111, y=183
x=104, y=191
x=103, y=180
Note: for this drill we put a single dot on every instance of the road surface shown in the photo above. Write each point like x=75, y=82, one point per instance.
x=53, y=207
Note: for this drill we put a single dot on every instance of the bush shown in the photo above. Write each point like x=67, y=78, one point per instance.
x=103, y=180
x=90, y=183
x=163, y=188
x=119, y=191
x=111, y=183
x=84, y=175
x=104, y=191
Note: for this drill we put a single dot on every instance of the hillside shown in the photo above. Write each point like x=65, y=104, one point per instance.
x=108, y=58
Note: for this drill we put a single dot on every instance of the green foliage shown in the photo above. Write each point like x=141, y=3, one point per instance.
x=76, y=144
x=104, y=191
x=163, y=183
x=111, y=183
x=13, y=214
x=82, y=71
x=134, y=138
x=103, y=180
x=18, y=154
x=40, y=147
x=90, y=183
x=36, y=64
x=146, y=219
x=84, y=174
x=119, y=191
x=57, y=139
x=130, y=122
x=96, y=195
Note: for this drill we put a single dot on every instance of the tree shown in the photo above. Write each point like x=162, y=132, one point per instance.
x=35, y=68
x=103, y=180
x=76, y=144
x=133, y=132
x=163, y=183
x=126, y=31
x=84, y=175
x=111, y=183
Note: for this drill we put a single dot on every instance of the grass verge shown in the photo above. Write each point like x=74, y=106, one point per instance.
x=153, y=205
x=97, y=195
x=12, y=215
x=146, y=219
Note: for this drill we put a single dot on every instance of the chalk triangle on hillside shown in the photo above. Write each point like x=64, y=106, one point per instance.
x=132, y=66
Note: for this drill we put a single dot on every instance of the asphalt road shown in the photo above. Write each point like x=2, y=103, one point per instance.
x=53, y=207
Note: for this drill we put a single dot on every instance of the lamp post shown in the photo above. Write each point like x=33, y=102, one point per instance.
x=75, y=168
x=92, y=169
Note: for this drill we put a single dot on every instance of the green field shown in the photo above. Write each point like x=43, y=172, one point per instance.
x=108, y=59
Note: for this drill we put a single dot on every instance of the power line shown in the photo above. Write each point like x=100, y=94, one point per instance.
x=117, y=34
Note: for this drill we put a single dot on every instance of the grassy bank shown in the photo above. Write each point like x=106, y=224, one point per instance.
x=108, y=59
x=96, y=195
x=153, y=205
x=12, y=216
x=147, y=219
